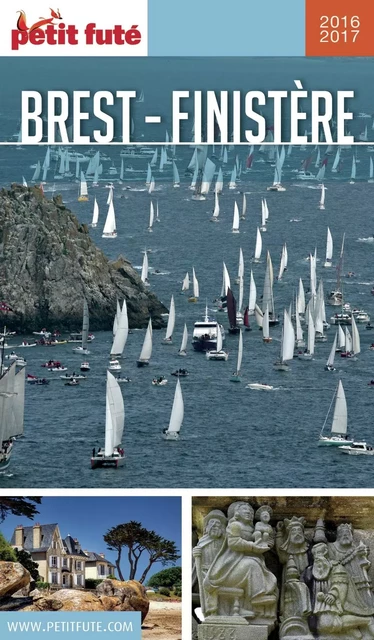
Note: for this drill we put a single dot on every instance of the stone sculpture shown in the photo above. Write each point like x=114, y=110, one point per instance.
x=263, y=530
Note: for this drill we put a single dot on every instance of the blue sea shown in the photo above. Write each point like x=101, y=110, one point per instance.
x=231, y=436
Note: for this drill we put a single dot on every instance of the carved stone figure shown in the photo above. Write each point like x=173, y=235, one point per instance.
x=291, y=541
x=297, y=605
x=238, y=582
x=336, y=603
x=207, y=548
x=263, y=530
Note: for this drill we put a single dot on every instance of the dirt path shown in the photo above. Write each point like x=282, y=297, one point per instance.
x=163, y=622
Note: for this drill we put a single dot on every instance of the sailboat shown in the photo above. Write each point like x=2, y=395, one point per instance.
x=141, y=97
x=95, y=214
x=176, y=177
x=267, y=296
x=309, y=352
x=339, y=422
x=12, y=403
x=244, y=209
x=83, y=348
x=252, y=295
x=330, y=360
x=109, y=230
x=171, y=323
x=121, y=332
x=335, y=298
x=283, y=262
x=321, y=205
x=329, y=249
x=235, y=221
x=151, y=217
x=146, y=351
x=287, y=344
x=215, y=215
x=236, y=376
x=195, y=287
x=265, y=327
x=144, y=273
x=218, y=354
x=176, y=417
x=113, y=455
x=231, y=312
x=183, y=349
x=83, y=192
x=258, y=248
x=371, y=170
x=186, y=283
x=353, y=171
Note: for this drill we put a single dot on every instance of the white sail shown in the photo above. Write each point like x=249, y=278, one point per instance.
x=116, y=318
x=195, y=284
x=252, y=295
x=323, y=196
x=83, y=186
x=267, y=296
x=311, y=333
x=216, y=206
x=151, y=216
x=313, y=274
x=241, y=264
x=340, y=418
x=353, y=169
x=356, y=345
x=241, y=294
x=371, y=169
x=258, y=248
x=110, y=195
x=24, y=181
x=149, y=174
x=95, y=214
x=348, y=341
x=144, y=273
x=115, y=415
x=226, y=283
x=219, y=182
x=186, y=282
x=208, y=173
x=301, y=298
x=331, y=358
x=288, y=338
x=244, y=205
x=334, y=167
x=184, y=339
x=122, y=170
x=232, y=183
x=177, y=412
x=259, y=316
x=329, y=248
x=171, y=320
x=240, y=353
x=176, y=177
x=109, y=230
x=265, y=324
x=299, y=331
x=235, y=221
x=146, y=351
x=153, y=161
x=341, y=340
x=122, y=332
x=283, y=262
x=18, y=403
x=36, y=173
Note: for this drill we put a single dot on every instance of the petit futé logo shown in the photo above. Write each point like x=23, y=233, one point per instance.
x=52, y=31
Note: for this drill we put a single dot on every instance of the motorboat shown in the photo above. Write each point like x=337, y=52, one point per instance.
x=259, y=386
x=358, y=448
x=159, y=382
x=204, y=337
x=114, y=365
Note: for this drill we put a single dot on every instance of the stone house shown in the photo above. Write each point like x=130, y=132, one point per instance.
x=97, y=567
x=61, y=561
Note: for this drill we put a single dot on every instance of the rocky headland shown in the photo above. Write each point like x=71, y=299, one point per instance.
x=49, y=263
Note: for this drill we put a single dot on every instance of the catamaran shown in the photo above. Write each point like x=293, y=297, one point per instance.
x=339, y=425
x=218, y=353
x=113, y=455
x=177, y=415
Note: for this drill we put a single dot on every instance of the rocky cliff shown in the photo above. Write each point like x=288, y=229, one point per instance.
x=48, y=262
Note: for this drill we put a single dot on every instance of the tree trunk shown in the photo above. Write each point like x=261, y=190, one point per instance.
x=131, y=563
x=144, y=574
x=118, y=564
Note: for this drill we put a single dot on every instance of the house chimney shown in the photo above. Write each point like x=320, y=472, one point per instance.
x=102, y=555
x=77, y=545
x=19, y=536
x=36, y=536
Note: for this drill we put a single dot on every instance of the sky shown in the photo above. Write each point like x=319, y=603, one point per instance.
x=89, y=518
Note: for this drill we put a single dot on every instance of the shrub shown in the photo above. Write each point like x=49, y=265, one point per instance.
x=111, y=577
x=42, y=585
x=164, y=592
x=7, y=553
x=26, y=560
x=166, y=578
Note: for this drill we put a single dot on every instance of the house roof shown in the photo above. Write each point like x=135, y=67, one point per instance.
x=47, y=531
x=96, y=557
x=72, y=547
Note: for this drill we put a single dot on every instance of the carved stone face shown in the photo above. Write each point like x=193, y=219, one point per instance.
x=265, y=517
x=215, y=528
x=344, y=537
x=321, y=567
x=297, y=534
x=245, y=512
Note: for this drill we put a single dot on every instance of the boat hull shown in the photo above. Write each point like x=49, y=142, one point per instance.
x=170, y=435
x=217, y=355
x=333, y=442
x=109, y=461
x=142, y=363
x=204, y=345
x=281, y=366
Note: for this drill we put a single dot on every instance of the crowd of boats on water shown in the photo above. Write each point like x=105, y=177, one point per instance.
x=303, y=315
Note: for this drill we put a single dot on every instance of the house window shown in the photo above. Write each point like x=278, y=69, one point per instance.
x=79, y=579
x=65, y=563
x=101, y=569
x=54, y=578
x=78, y=566
x=53, y=561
